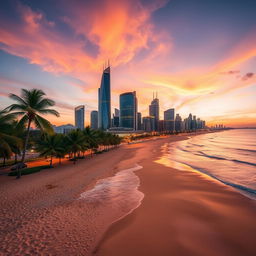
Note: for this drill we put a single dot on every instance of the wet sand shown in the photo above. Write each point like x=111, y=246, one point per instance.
x=182, y=213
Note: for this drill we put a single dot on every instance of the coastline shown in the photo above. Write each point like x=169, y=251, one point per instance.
x=49, y=219
x=183, y=213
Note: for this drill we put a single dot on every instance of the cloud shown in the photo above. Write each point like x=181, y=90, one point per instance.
x=231, y=72
x=247, y=76
x=115, y=30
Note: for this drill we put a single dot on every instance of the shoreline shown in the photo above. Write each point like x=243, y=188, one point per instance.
x=56, y=211
x=131, y=235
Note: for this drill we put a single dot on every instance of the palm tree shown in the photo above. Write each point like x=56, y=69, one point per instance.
x=50, y=146
x=29, y=106
x=76, y=142
x=7, y=141
x=90, y=138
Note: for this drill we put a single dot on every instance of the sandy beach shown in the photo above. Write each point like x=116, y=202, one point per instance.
x=181, y=213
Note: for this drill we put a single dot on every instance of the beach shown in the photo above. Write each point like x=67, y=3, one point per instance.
x=175, y=212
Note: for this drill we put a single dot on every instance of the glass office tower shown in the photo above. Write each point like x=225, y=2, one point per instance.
x=104, y=118
x=94, y=119
x=79, y=117
x=128, y=110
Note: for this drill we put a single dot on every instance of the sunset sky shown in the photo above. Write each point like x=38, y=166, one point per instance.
x=199, y=55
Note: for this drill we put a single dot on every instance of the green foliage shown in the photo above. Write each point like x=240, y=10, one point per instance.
x=27, y=171
x=16, y=137
x=29, y=107
x=50, y=146
x=8, y=139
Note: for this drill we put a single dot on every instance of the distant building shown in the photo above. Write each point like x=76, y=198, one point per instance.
x=139, y=123
x=64, y=129
x=128, y=110
x=169, y=126
x=79, y=117
x=117, y=112
x=169, y=120
x=193, y=124
x=161, y=126
x=104, y=114
x=149, y=123
x=115, y=119
x=154, y=111
x=94, y=119
x=178, y=123
x=169, y=114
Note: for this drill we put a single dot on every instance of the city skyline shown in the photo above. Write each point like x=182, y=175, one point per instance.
x=199, y=57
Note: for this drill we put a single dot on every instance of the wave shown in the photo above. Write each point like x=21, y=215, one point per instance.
x=226, y=159
x=247, y=150
x=237, y=186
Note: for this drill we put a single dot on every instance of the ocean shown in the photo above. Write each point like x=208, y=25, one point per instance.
x=228, y=156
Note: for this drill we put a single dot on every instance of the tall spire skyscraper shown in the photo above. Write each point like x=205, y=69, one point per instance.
x=154, y=110
x=104, y=101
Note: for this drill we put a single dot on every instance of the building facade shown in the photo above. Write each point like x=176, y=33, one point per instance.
x=104, y=101
x=169, y=120
x=79, y=117
x=139, y=123
x=128, y=110
x=94, y=119
x=154, y=111
x=178, y=123
x=149, y=123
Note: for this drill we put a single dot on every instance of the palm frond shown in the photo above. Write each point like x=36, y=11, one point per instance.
x=49, y=111
x=43, y=124
x=17, y=98
x=44, y=103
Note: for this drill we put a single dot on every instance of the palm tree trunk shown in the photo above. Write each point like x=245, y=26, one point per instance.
x=74, y=158
x=24, y=150
x=51, y=161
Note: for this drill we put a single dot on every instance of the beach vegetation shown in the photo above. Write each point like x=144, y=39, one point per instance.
x=30, y=106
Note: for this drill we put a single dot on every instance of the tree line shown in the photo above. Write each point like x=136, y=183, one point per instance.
x=28, y=110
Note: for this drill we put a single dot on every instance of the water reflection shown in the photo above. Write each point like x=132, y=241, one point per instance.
x=226, y=156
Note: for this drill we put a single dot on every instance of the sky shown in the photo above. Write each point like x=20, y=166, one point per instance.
x=198, y=55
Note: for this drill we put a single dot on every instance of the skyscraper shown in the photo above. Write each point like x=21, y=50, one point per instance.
x=169, y=114
x=149, y=123
x=178, y=123
x=154, y=111
x=169, y=120
x=104, y=114
x=94, y=119
x=79, y=117
x=128, y=110
x=115, y=120
x=139, y=124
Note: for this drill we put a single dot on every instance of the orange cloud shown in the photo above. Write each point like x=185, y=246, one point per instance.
x=116, y=29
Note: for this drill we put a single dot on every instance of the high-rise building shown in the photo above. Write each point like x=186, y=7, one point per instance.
x=149, y=123
x=94, y=119
x=79, y=117
x=169, y=120
x=115, y=119
x=104, y=114
x=178, y=123
x=117, y=112
x=128, y=110
x=154, y=110
x=139, y=124
x=169, y=114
